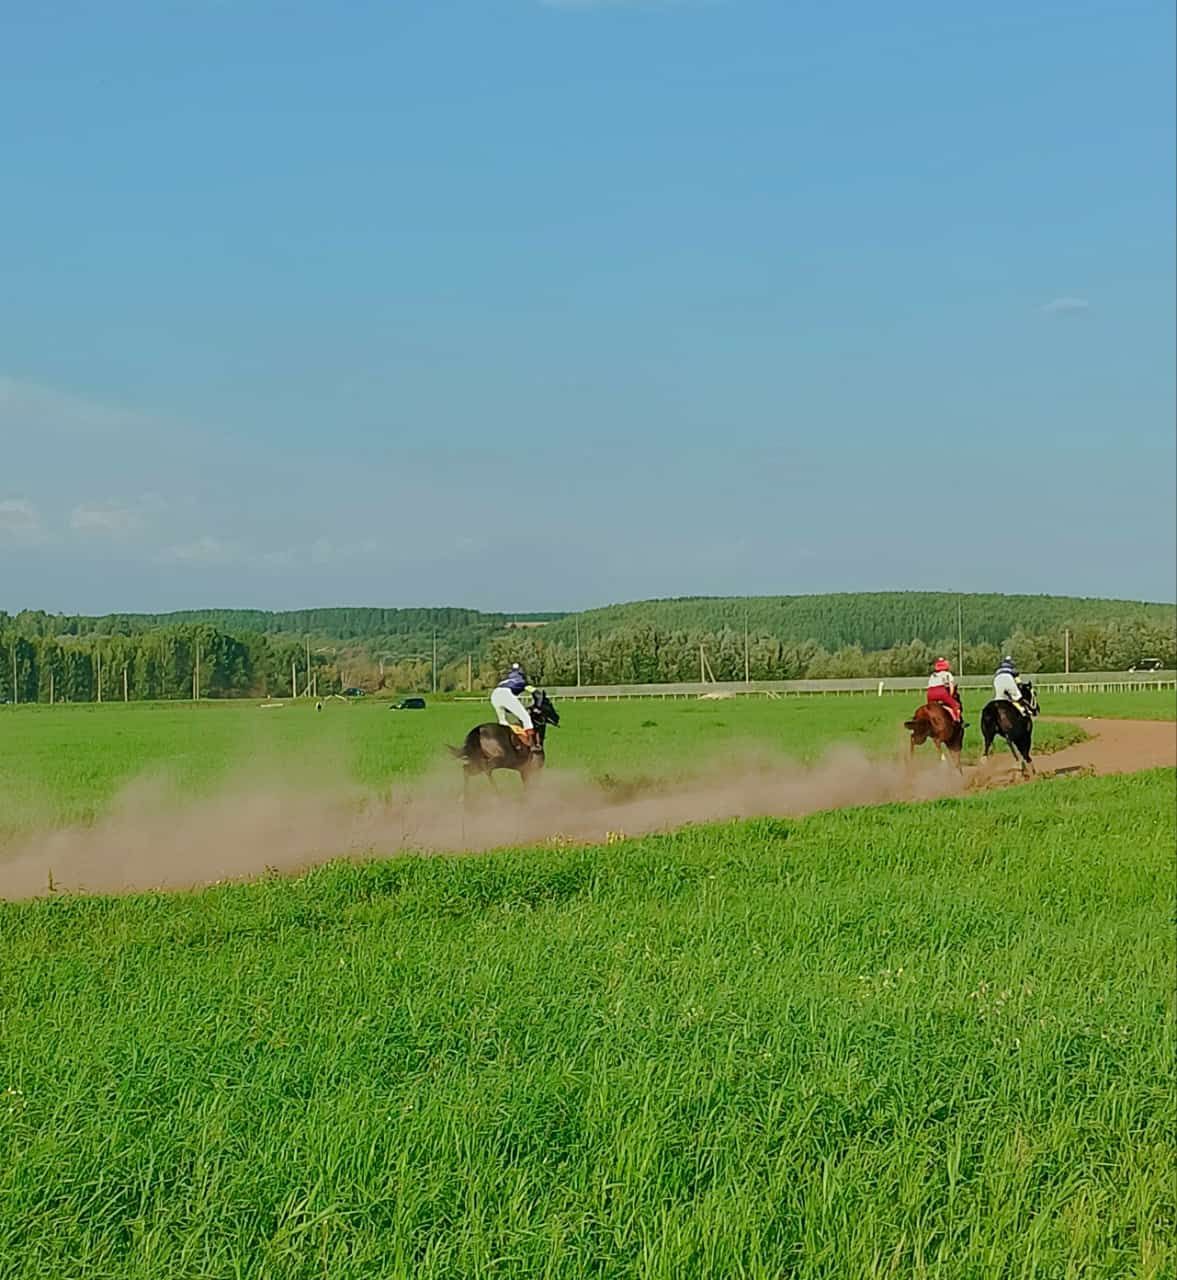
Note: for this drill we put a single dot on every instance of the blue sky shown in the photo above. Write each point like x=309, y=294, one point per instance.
x=522, y=305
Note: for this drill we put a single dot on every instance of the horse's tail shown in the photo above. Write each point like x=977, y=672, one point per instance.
x=459, y=753
x=910, y=724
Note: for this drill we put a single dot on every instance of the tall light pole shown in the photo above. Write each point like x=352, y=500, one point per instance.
x=959, y=640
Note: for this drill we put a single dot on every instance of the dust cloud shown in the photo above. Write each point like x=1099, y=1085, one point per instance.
x=153, y=838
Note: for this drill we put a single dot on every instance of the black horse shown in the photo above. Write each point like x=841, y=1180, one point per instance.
x=489, y=747
x=1000, y=718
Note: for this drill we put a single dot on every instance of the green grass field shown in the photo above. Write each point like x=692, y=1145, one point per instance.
x=1146, y=704
x=65, y=764
x=932, y=1040
x=929, y=1040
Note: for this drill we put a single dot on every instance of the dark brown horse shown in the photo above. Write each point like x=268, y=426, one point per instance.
x=935, y=721
x=490, y=747
x=1000, y=718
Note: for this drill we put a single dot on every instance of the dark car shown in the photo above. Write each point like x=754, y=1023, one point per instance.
x=353, y=693
x=1147, y=664
x=408, y=704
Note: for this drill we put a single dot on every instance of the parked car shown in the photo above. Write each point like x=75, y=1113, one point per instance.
x=1148, y=664
x=408, y=704
x=353, y=693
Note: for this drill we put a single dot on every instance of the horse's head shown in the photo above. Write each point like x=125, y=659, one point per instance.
x=542, y=711
x=1029, y=697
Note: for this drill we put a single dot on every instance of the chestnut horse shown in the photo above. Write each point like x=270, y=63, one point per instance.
x=935, y=721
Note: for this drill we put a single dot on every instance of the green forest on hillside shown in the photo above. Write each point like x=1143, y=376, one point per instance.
x=228, y=653
x=872, y=620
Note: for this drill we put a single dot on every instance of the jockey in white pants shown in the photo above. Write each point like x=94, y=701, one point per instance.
x=1005, y=685
x=505, y=699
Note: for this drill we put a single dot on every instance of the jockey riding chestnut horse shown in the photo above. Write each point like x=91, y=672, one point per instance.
x=942, y=688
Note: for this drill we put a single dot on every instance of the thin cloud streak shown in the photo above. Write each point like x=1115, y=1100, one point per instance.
x=20, y=523
x=1065, y=306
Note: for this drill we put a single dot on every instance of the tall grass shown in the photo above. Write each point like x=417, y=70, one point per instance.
x=927, y=1041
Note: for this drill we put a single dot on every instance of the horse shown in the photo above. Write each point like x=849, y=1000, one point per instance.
x=935, y=721
x=1001, y=718
x=489, y=747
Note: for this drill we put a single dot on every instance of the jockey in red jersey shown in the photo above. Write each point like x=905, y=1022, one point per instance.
x=942, y=688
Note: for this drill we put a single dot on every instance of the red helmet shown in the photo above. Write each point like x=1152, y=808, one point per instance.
x=942, y=664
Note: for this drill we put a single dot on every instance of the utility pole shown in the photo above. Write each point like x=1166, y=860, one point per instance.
x=434, y=659
x=51, y=686
x=98, y=655
x=747, y=666
x=469, y=673
x=577, y=620
x=125, y=696
x=308, y=688
x=196, y=676
x=959, y=640
x=15, y=691
x=1067, y=651
x=293, y=679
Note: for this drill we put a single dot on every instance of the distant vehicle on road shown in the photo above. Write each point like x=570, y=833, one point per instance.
x=1148, y=664
x=353, y=693
x=408, y=704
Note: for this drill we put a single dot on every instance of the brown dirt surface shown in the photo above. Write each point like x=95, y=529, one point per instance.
x=153, y=839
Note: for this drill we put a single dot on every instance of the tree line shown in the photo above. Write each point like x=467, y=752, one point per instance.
x=647, y=654
x=169, y=662
x=250, y=653
x=206, y=662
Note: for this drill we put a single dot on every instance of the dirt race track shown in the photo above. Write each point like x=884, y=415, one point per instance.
x=1115, y=746
x=147, y=843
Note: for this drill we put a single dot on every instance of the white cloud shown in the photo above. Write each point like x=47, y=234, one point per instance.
x=205, y=550
x=32, y=407
x=211, y=552
x=1065, y=305
x=284, y=559
x=111, y=518
x=20, y=523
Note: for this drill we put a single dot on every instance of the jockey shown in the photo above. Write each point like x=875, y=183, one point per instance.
x=505, y=698
x=1005, y=685
x=942, y=688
